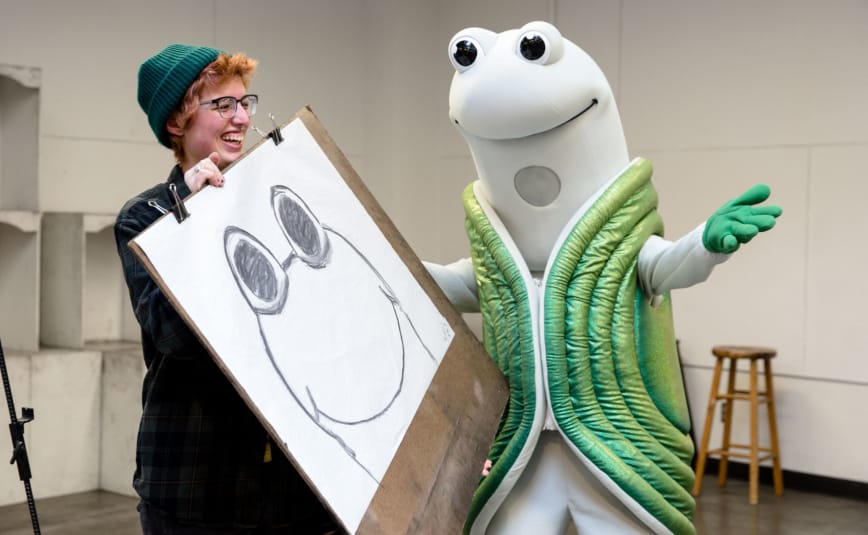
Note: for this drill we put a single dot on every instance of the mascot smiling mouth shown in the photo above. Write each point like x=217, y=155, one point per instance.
x=593, y=103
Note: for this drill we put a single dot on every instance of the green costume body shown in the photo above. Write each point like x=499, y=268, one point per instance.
x=588, y=341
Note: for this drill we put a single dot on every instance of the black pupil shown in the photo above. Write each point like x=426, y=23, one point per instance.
x=465, y=53
x=301, y=226
x=256, y=272
x=532, y=47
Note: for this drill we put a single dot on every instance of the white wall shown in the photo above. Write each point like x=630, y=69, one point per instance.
x=724, y=95
x=719, y=95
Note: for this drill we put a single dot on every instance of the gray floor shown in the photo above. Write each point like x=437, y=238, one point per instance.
x=727, y=511
x=719, y=512
x=93, y=513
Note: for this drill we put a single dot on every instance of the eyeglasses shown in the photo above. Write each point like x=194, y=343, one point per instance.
x=227, y=106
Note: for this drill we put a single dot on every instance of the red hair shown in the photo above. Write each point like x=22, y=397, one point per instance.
x=218, y=72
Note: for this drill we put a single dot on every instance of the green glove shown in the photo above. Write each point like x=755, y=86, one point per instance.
x=738, y=221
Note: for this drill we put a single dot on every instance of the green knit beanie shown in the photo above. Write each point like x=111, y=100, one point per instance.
x=165, y=77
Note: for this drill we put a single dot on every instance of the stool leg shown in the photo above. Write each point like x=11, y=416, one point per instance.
x=706, y=431
x=773, y=430
x=723, y=468
x=754, y=438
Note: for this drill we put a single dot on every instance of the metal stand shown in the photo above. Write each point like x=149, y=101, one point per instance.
x=19, y=451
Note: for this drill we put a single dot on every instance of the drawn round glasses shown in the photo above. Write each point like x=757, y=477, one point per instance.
x=263, y=278
x=227, y=106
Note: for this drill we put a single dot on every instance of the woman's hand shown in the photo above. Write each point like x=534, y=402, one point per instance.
x=204, y=172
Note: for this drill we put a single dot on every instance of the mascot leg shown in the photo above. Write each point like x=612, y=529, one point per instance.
x=538, y=504
x=554, y=487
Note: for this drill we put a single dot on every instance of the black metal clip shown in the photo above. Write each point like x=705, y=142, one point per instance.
x=178, y=207
x=19, y=451
x=274, y=133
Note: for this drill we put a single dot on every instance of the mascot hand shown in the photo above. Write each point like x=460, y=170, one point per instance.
x=738, y=221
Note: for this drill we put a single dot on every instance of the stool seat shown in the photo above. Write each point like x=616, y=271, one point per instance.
x=734, y=353
x=743, y=352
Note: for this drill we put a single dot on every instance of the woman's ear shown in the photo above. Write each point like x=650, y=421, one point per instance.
x=172, y=126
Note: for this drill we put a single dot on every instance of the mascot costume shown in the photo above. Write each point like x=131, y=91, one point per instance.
x=572, y=276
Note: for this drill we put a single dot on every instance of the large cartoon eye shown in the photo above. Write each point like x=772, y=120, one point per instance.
x=540, y=43
x=464, y=52
x=259, y=275
x=305, y=233
x=533, y=46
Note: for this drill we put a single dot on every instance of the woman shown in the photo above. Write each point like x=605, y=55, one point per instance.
x=204, y=463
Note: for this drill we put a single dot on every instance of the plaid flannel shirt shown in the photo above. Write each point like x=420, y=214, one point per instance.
x=200, y=450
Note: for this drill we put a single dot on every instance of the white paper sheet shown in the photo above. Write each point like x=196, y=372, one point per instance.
x=321, y=324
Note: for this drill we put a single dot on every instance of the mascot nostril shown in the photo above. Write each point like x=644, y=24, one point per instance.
x=572, y=276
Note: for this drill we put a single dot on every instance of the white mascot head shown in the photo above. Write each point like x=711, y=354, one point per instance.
x=542, y=126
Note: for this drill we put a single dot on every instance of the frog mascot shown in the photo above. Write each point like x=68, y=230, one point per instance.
x=572, y=276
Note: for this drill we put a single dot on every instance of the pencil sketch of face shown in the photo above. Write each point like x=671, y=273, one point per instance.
x=333, y=328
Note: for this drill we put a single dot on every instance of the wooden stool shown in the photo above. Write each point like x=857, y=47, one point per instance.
x=728, y=449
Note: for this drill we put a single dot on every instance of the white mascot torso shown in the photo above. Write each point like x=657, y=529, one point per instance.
x=571, y=274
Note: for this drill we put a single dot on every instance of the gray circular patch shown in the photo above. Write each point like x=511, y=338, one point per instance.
x=537, y=185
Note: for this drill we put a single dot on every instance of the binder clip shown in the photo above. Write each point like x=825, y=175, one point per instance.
x=178, y=208
x=19, y=451
x=274, y=134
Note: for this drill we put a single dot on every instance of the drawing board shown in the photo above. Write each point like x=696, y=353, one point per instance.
x=333, y=333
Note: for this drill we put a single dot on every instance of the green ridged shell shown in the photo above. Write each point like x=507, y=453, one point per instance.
x=614, y=379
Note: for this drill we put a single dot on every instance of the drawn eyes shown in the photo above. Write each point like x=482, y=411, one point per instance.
x=262, y=278
x=259, y=275
x=304, y=232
